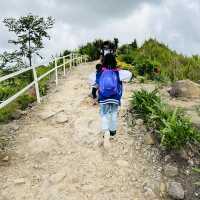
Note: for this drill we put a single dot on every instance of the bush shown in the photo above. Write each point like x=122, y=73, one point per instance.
x=7, y=112
x=176, y=130
x=143, y=101
x=173, y=128
x=6, y=92
x=127, y=58
x=24, y=101
x=172, y=65
x=126, y=66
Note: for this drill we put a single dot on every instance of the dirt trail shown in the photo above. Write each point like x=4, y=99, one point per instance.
x=58, y=157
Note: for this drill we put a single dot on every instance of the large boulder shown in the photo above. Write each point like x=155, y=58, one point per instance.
x=185, y=88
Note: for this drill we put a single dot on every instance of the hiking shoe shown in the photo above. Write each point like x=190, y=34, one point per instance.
x=106, y=141
x=113, y=133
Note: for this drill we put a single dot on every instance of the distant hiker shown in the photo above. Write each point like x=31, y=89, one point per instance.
x=109, y=82
x=107, y=48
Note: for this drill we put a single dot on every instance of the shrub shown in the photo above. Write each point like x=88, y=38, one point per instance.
x=7, y=112
x=142, y=102
x=176, y=130
x=172, y=65
x=173, y=128
x=127, y=58
x=25, y=100
x=126, y=66
x=6, y=92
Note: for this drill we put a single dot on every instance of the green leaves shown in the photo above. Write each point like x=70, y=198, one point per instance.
x=173, y=129
x=157, y=61
x=30, y=31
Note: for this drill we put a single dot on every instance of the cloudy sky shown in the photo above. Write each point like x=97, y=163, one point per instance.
x=175, y=22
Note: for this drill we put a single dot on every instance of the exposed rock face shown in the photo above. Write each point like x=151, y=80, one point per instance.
x=185, y=88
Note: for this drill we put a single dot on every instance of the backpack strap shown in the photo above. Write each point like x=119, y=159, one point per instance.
x=104, y=68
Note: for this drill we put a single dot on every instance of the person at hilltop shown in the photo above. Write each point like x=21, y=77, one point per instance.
x=107, y=48
x=110, y=88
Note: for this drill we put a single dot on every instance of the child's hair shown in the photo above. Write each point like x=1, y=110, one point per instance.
x=98, y=67
x=110, y=61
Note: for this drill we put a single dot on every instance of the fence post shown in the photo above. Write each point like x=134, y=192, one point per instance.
x=56, y=71
x=64, y=66
x=36, y=85
x=70, y=61
x=74, y=55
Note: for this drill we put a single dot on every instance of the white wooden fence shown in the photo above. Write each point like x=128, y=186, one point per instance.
x=71, y=60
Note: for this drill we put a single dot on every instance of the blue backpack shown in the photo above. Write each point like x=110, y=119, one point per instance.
x=109, y=83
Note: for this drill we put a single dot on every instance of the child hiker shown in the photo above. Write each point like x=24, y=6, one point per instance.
x=109, y=81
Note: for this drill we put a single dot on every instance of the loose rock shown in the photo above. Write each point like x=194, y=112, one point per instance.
x=149, y=140
x=122, y=163
x=175, y=190
x=57, y=178
x=162, y=188
x=185, y=88
x=171, y=171
x=150, y=194
x=41, y=145
x=19, y=181
x=6, y=159
x=183, y=154
x=139, y=122
x=61, y=118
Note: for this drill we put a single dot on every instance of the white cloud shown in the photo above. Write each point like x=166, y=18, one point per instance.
x=174, y=22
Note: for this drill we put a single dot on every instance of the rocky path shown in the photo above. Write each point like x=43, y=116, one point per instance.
x=57, y=155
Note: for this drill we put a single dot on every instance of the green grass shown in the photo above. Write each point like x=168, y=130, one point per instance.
x=153, y=55
x=174, y=130
x=9, y=88
x=24, y=101
x=7, y=112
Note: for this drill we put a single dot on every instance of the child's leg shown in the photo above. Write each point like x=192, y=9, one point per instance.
x=104, y=112
x=113, y=119
x=105, y=115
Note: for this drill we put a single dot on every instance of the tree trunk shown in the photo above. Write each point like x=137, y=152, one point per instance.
x=29, y=50
x=30, y=57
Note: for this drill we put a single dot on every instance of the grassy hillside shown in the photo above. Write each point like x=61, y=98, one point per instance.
x=154, y=56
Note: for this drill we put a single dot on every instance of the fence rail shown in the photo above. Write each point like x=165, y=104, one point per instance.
x=71, y=60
